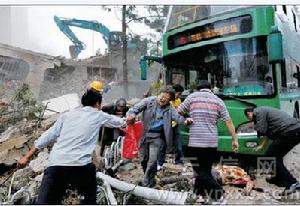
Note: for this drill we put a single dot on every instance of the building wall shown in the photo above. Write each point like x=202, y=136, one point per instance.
x=5, y=25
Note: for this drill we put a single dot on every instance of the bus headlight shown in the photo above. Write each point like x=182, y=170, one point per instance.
x=251, y=144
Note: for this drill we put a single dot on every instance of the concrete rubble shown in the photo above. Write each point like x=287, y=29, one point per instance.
x=61, y=81
x=22, y=186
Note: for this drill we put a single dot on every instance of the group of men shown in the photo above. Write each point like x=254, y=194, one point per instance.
x=76, y=135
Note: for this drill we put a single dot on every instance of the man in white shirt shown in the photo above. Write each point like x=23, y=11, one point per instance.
x=70, y=162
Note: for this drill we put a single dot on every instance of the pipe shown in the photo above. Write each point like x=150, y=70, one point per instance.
x=110, y=194
x=167, y=197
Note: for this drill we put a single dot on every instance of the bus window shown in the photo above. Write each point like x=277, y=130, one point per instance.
x=239, y=67
x=178, y=78
x=193, y=76
x=181, y=15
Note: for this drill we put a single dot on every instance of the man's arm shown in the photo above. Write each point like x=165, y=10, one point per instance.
x=23, y=161
x=235, y=143
x=49, y=136
x=264, y=143
x=113, y=121
x=184, y=107
x=136, y=109
x=176, y=117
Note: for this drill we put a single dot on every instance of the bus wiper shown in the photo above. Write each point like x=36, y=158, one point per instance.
x=223, y=96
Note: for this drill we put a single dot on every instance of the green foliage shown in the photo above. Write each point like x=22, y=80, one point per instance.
x=25, y=103
x=154, y=18
x=192, y=86
x=155, y=87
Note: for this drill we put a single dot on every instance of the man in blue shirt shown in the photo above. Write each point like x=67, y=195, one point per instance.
x=70, y=162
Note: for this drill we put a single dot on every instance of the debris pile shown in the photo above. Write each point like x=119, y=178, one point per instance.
x=118, y=184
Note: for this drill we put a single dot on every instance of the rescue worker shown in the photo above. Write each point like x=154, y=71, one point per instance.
x=157, y=117
x=206, y=109
x=70, y=162
x=284, y=131
x=177, y=140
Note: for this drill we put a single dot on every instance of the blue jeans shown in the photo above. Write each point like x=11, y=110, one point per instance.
x=178, y=149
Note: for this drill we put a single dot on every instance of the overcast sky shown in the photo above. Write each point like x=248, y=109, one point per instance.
x=47, y=38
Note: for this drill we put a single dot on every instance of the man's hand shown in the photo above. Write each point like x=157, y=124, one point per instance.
x=130, y=119
x=235, y=145
x=188, y=121
x=258, y=148
x=22, y=162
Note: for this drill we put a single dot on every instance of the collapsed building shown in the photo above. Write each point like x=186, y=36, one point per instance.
x=50, y=77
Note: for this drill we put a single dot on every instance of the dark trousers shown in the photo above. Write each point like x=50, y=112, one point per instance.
x=148, y=152
x=202, y=160
x=178, y=146
x=278, y=149
x=178, y=149
x=57, y=179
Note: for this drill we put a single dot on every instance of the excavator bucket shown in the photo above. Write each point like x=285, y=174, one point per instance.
x=74, y=51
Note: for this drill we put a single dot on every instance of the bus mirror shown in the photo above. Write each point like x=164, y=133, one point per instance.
x=143, y=67
x=145, y=61
x=275, y=46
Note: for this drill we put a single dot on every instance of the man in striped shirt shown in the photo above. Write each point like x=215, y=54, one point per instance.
x=205, y=109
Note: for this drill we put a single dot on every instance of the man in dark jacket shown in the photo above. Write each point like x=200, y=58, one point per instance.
x=108, y=135
x=284, y=131
x=119, y=108
x=157, y=117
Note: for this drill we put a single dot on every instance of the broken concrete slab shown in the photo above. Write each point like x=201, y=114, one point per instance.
x=61, y=104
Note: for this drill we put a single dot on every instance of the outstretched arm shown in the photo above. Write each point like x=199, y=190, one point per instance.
x=47, y=137
x=136, y=109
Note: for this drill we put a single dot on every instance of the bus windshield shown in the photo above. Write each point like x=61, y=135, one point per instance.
x=181, y=15
x=239, y=67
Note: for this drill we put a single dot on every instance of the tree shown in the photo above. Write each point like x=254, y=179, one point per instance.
x=154, y=17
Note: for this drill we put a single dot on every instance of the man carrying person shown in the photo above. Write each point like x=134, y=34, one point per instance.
x=70, y=162
x=284, y=131
x=205, y=109
x=157, y=117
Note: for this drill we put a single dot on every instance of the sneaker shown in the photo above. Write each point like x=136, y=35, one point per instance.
x=293, y=188
x=272, y=180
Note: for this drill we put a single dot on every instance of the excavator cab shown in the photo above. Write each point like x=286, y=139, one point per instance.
x=115, y=40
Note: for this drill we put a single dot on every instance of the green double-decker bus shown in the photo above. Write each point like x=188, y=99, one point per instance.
x=249, y=54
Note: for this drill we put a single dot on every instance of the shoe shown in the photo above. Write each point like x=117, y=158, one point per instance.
x=272, y=180
x=159, y=167
x=221, y=201
x=292, y=189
